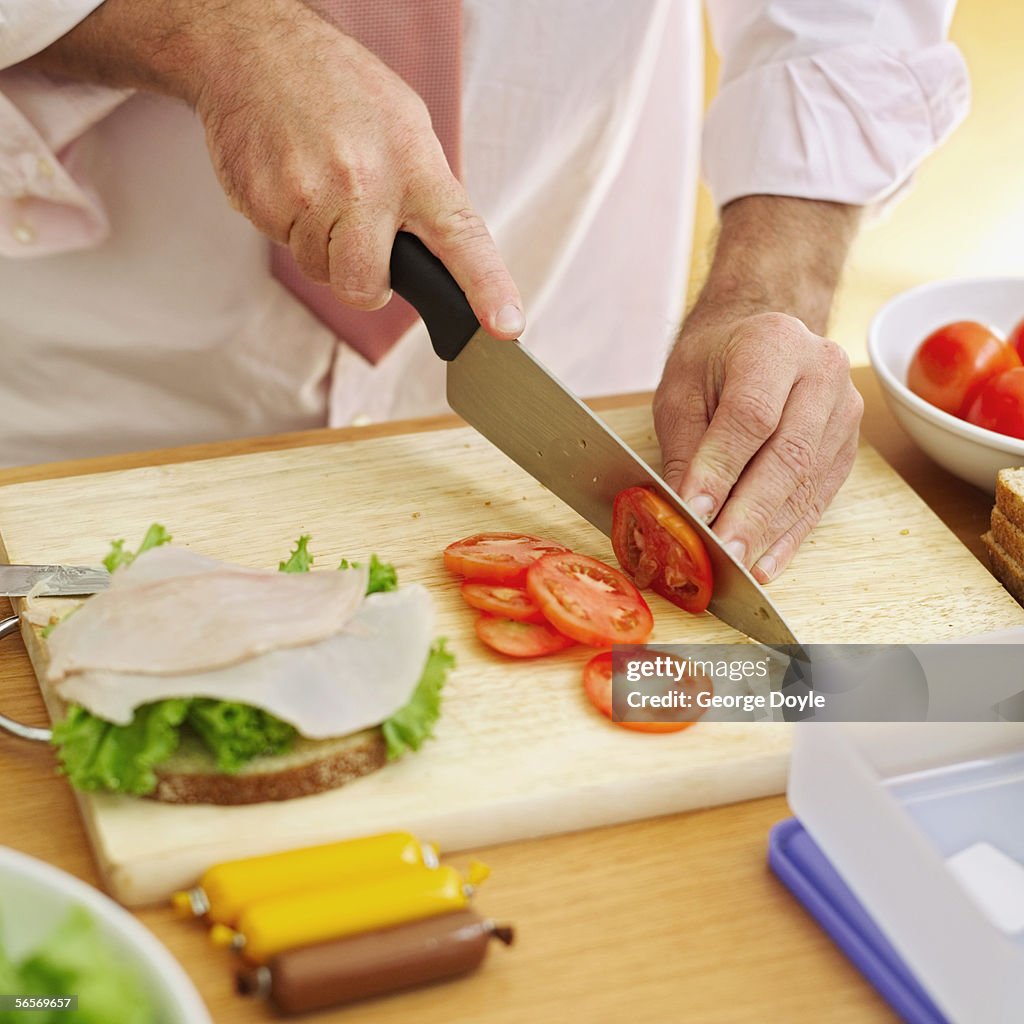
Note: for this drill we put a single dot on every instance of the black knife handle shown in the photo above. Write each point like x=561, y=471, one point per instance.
x=424, y=282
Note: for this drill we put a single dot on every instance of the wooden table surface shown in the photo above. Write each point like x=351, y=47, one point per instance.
x=673, y=919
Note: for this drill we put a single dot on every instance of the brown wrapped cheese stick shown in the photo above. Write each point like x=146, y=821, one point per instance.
x=371, y=964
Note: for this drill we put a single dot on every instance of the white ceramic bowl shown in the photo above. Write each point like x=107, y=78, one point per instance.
x=973, y=454
x=35, y=897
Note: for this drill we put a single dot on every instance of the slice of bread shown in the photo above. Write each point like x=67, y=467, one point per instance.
x=1005, y=568
x=1008, y=536
x=190, y=776
x=1010, y=495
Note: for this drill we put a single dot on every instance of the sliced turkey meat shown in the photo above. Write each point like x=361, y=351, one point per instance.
x=349, y=681
x=173, y=612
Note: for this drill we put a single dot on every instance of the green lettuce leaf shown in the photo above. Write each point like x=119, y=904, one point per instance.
x=118, y=557
x=381, y=575
x=98, y=755
x=10, y=982
x=77, y=960
x=410, y=725
x=236, y=733
x=300, y=559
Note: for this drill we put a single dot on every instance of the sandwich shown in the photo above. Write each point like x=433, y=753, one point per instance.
x=196, y=681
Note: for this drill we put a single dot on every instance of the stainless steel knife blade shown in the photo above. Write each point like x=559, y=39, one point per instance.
x=510, y=398
x=51, y=580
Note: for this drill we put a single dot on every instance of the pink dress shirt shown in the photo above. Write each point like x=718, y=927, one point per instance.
x=129, y=287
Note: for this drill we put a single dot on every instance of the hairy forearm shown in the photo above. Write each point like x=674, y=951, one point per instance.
x=175, y=47
x=756, y=413
x=777, y=254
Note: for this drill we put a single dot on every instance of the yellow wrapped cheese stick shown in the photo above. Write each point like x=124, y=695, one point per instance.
x=301, y=919
x=225, y=890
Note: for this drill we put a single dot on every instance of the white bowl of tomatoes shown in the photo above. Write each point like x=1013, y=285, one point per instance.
x=949, y=357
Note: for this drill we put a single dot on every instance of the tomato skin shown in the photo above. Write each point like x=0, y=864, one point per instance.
x=597, y=684
x=951, y=365
x=588, y=600
x=520, y=639
x=505, y=602
x=999, y=405
x=1016, y=339
x=658, y=548
x=497, y=557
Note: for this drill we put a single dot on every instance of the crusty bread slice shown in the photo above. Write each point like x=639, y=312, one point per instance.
x=1010, y=495
x=1009, y=537
x=1008, y=571
x=190, y=776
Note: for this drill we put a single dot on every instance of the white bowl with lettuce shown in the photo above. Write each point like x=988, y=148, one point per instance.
x=61, y=937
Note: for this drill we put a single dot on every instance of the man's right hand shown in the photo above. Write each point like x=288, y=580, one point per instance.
x=321, y=145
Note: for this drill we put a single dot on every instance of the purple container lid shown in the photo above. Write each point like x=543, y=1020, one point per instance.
x=808, y=874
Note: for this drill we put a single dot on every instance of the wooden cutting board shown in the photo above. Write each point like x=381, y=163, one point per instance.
x=519, y=752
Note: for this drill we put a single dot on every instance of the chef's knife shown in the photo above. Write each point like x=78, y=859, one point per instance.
x=51, y=580
x=510, y=398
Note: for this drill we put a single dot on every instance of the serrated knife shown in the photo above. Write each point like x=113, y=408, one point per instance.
x=51, y=580
x=499, y=388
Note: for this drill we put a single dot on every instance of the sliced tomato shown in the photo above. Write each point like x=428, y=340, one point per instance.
x=952, y=363
x=659, y=549
x=597, y=683
x=505, y=602
x=497, y=557
x=588, y=600
x=520, y=639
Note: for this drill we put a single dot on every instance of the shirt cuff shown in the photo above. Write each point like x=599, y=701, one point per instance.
x=28, y=26
x=46, y=203
x=848, y=125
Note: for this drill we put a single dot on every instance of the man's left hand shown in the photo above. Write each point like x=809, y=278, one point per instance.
x=756, y=413
x=758, y=422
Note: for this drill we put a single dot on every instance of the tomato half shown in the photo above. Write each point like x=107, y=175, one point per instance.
x=659, y=549
x=505, y=602
x=1000, y=404
x=1016, y=339
x=520, y=639
x=952, y=363
x=497, y=557
x=588, y=600
x=597, y=684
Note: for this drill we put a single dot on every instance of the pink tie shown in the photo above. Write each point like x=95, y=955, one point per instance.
x=422, y=41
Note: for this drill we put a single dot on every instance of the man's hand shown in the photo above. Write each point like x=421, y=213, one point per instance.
x=756, y=413
x=314, y=139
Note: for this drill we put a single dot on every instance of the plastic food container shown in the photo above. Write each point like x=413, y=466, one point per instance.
x=911, y=815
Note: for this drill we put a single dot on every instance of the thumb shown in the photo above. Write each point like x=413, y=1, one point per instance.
x=457, y=235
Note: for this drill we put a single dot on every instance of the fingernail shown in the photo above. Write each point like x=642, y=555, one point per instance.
x=379, y=304
x=737, y=549
x=510, y=320
x=701, y=505
x=767, y=566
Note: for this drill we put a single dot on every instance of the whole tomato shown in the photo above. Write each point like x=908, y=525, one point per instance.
x=999, y=405
x=952, y=363
x=1016, y=339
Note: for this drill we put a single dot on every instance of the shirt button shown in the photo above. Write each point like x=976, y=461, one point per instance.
x=44, y=167
x=23, y=233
